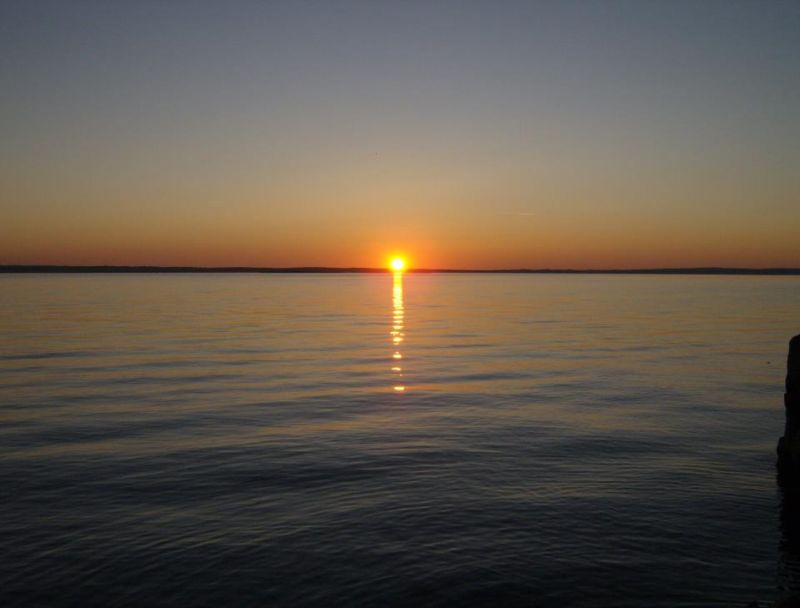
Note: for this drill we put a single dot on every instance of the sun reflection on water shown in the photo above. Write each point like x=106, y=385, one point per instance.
x=398, y=315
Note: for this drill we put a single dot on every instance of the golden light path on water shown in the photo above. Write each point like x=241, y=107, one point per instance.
x=397, y=334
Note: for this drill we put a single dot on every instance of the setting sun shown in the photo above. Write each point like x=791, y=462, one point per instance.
x=398, y=264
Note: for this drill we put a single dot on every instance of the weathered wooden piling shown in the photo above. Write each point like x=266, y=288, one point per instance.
x=789, y=444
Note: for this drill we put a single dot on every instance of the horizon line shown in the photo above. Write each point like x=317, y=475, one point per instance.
x=110, y=268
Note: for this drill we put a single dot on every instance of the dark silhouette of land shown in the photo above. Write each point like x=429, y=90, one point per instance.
x=31, y=268
x=789, y=480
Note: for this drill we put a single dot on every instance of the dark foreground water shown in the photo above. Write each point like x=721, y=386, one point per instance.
x=319, y=440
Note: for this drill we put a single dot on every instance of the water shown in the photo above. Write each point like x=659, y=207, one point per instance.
x=439, y=440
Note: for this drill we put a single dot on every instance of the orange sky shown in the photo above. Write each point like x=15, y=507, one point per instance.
x=563, y=135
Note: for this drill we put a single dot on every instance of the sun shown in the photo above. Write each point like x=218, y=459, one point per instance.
x=398, y=264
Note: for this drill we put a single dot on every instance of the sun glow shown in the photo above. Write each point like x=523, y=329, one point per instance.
x=398, y=264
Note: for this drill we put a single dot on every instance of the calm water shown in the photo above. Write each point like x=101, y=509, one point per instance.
x=439, y=440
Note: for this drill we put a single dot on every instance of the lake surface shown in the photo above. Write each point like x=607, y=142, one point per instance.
x=430, y=440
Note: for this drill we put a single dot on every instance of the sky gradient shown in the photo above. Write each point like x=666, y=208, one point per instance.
x=463, y=134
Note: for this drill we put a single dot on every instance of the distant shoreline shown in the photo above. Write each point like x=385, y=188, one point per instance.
x=43, y=269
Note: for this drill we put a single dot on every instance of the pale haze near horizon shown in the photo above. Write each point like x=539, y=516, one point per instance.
x=463, y=134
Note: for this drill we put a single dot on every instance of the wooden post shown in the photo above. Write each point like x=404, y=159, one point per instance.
x=789, y=444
